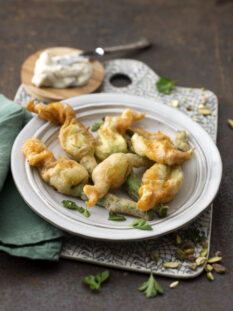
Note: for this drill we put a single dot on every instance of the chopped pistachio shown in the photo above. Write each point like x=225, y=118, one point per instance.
x=188, y=107
x=154, y=255
x=190, y=89
x=192, y=258
x=203, y=89
x=201, y=260
x=204, y=252
x=193, y=266
x=219, y=268
x=180, y=254
x=203, y=99
x=189, y=251
x=230, y=122
x=174, y=284
x=178, y=239
x=171, y=264
x=195, y=119
x=175, y=103
x=187, y=245
x=210, y=276
x=208, y=268
x=205, y=111
x=218, y=254
x=214, y=259
x=204, y=244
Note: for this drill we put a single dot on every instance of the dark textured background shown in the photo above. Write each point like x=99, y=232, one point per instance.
x=193, y=44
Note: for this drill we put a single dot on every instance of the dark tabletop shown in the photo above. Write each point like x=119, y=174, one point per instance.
x=193, y=44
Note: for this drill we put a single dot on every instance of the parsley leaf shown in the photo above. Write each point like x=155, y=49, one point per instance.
x=165, y=85
x=90, y=280
x=151, y=287
x=72, y=205
x=96, y=126
x=94, y=282
x=116, y=217
x=141, y=224
x=86, y=213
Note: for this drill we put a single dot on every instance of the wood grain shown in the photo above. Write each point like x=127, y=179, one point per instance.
x=47, y=94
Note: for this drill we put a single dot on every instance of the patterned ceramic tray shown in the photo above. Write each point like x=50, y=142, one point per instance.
x=136, y=255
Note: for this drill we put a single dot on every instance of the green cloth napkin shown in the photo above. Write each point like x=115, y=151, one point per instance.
x=22, y=232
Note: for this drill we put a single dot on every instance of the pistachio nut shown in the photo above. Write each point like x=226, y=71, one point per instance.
x=208, y=268
x=219, y=268
x=189, y=251
x=187, y=245
x=204, y=244
x=174, y=284
x=175, y=103
x=201, y=260
x=203, y=99
x=180, y=254
x=178, y=239
x=204, y=252
x=210, y=276
x=205, y=111
x=218, y=254
x=171, y=265
x=214, y=259
x=230, y=122
x=192, y=258
x=154, y=255
x=193, y=266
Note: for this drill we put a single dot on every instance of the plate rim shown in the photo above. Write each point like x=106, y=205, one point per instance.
x=122, y=97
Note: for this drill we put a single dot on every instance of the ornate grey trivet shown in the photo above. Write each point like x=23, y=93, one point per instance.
x=136, y=255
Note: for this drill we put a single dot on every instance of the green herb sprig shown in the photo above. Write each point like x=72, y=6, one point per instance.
x=72, y=205
x=96, y=126
x=116, y=217
x=141, y=224
x=151, y=287
x=165, y=85
x=94, y=282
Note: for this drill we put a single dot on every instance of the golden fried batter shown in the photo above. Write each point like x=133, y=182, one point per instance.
x=63, y=174
x=75, y=139
x=111, y=173
x=160, y=183
x=56, y=112
x=157, y=136
x=159, y=150
x=110, y=135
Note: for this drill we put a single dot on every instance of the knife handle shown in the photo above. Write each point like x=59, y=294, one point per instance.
x=141, y=44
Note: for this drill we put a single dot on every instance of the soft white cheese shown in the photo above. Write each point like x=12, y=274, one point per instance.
x=48, y=73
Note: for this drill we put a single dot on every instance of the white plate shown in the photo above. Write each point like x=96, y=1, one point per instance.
x=202, y=174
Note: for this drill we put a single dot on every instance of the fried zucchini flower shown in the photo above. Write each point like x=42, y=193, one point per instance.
x=63, y=174
x=160, y=184
x=110, y=135
x=75, y=139
x=111, y=173
x=159, y=147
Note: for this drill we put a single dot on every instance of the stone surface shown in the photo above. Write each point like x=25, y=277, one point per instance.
x=192, y=45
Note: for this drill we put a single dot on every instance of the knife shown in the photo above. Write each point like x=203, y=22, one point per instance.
x=100, y=51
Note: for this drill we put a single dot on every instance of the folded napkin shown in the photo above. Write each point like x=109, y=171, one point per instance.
x=22, y=232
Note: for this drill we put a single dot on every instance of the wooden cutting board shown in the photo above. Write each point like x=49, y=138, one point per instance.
x=47, y=94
